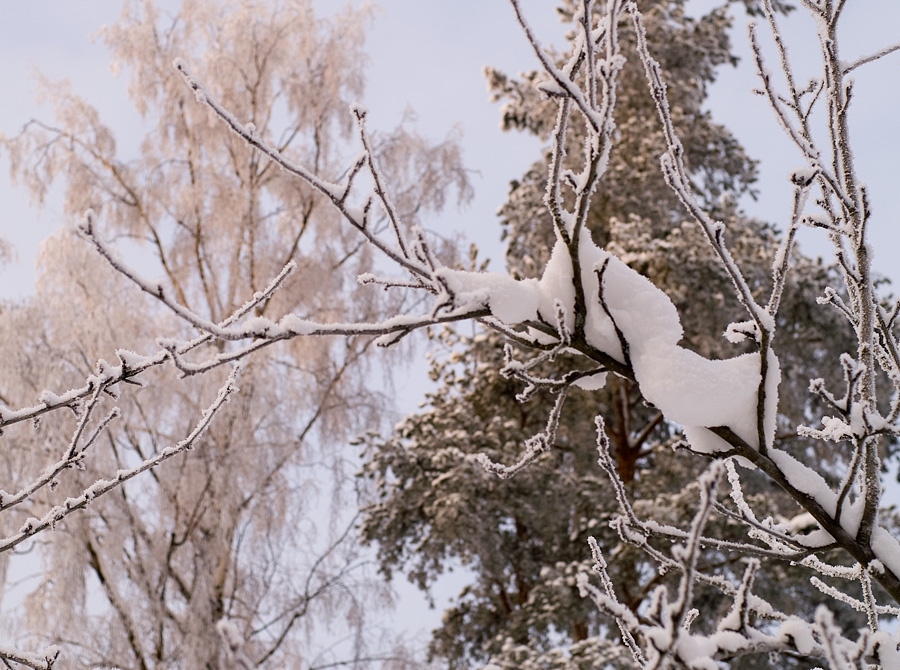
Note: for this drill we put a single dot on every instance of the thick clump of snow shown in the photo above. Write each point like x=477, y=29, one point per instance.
x=556, y=286
x=887, y=549
x=687, y=388
x=510, y=300
x=799, y=633
x=644, y=314
x=696, y=391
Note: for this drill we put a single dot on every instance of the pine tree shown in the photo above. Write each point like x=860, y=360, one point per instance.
x=523, y=540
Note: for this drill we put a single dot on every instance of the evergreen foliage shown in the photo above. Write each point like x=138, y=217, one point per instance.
x=523, y=540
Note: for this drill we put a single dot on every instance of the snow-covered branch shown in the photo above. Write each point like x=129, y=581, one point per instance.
x=42, y=661
x=611, y=314
x=74, y=453
x=605, y=319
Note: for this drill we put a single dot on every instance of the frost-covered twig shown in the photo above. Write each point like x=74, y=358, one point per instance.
x=41, y=661
x=689, y=553
x=131, y=365
x=264, y=332
x=336, y=193
x=881, y=53
x=72, y=456
x=676, y=175
x=563, y=80
x=783, y=255
x=33, y=526
x=599, y=567
x=535, y=446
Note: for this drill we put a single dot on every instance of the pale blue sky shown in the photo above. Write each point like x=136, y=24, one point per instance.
x=427, y=56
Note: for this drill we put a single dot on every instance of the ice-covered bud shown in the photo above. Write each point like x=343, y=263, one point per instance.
x=740, y=331
x=803, y=176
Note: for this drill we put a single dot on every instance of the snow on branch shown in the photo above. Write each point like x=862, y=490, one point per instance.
x=591, y=308
x=74, y=453
x=43, y=661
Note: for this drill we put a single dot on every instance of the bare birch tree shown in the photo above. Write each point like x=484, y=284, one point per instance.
x=589, y=308
x=248, y=527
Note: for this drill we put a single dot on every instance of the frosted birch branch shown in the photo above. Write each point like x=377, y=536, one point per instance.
x=33, y=526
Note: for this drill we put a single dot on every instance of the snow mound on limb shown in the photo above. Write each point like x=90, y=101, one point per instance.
x=691, y=390
x=510, y=300
x=641, y=310
x=695, y=391
x=687, y=388
x=644, y=314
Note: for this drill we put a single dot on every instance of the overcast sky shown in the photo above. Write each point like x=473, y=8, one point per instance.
x=424, y=56
x=427, y=55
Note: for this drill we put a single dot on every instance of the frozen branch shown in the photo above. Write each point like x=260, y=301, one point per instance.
x=33, y=526
x=590, y=307
x=43, y=661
